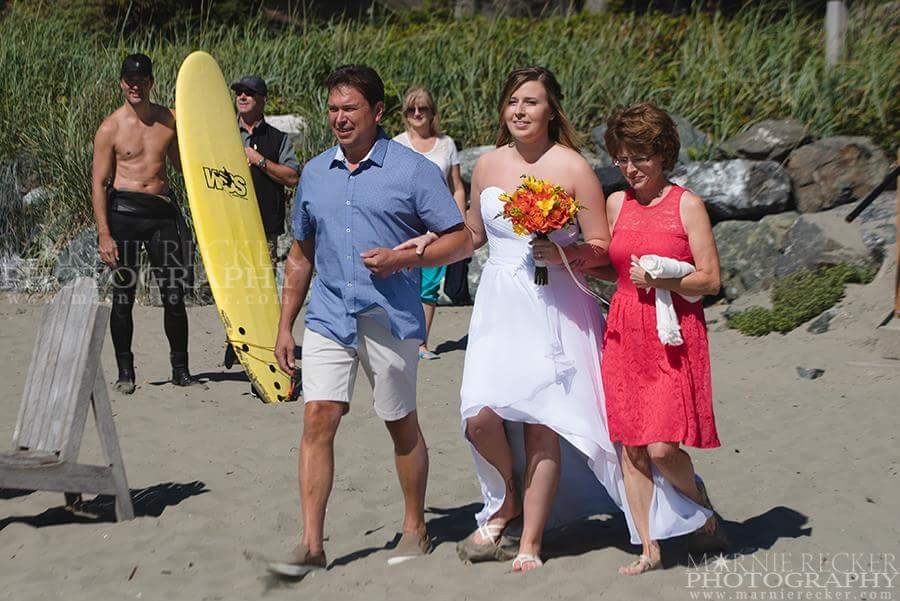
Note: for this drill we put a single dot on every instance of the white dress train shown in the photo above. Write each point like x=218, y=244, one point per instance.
x=533, y=356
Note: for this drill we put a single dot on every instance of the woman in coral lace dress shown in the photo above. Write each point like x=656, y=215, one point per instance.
x=658, y=396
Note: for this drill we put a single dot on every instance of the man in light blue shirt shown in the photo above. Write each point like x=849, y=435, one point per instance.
x=355, y=203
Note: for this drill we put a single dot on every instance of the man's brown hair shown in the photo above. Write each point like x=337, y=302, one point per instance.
x=363, y=78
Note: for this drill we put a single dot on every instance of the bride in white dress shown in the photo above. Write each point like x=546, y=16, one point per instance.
x=532, y=399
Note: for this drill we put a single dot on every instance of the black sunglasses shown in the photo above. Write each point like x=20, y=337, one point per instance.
x=245, y=92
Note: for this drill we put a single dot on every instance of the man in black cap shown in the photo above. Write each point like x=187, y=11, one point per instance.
x=273, y=163
x=134, y=208
x=270, y=153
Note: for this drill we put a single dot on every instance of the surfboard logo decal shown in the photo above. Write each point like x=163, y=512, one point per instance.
x=225, y=181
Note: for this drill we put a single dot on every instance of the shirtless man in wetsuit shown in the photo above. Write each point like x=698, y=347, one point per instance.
x=133, y=208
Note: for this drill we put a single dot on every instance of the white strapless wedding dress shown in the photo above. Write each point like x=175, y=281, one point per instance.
x=533, y=356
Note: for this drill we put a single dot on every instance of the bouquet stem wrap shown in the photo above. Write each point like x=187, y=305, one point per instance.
x=541, y=276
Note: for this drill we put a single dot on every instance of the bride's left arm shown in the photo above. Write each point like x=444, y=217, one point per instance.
x=592, y=221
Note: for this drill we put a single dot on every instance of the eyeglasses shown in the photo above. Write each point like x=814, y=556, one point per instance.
x=635, y=161
x=245, y=92
x=421, y=109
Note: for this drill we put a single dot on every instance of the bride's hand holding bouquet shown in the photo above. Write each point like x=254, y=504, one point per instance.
x=537, y=208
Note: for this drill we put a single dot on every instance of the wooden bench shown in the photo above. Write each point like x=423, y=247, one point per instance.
x=64, y=378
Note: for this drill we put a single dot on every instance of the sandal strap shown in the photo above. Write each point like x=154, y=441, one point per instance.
x=648, y=561
x=491, y=531
x=526, y=557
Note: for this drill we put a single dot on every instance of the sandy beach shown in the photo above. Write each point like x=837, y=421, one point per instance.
x=807, y=467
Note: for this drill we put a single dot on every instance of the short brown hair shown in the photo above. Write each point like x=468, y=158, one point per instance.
x=560, y=129
x=643, y=127
x=362, y=77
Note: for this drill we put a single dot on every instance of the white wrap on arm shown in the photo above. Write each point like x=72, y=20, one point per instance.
x=666, y=320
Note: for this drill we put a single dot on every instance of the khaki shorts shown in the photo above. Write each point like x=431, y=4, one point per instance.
x=329, y=368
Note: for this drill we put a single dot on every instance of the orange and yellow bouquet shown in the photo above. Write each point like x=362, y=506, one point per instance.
x=538, y=207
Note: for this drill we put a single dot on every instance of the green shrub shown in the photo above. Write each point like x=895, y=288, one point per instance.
x=800, y=297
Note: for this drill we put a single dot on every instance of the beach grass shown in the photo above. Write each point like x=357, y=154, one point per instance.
x=721, y=73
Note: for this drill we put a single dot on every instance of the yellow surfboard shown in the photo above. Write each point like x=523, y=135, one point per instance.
x=227, y=222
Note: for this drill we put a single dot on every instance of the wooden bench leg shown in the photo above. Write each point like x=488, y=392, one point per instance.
x=110, y=443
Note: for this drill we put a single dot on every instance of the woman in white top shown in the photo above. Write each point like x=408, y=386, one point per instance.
x=423, y=135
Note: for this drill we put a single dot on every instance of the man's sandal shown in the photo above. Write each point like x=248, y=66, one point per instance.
x=300, y=563
x=645, y=563
x=523, y=558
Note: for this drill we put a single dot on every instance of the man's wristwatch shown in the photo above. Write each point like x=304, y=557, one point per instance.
x=261, y=163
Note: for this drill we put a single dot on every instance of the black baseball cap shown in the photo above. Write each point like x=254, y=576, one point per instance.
x=254, y=83
x=137, y=64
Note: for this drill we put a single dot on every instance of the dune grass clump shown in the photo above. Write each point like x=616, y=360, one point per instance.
x=721, y=73
x=799, y=297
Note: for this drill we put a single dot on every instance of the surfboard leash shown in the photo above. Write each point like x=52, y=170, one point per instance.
x=296, y=388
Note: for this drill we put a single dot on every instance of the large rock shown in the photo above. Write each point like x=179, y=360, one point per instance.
x=835, y=171
x=876, y=222
x=610, y=177
x=768, y=140
x=823, y=239
x=24, y=275
x=749, y=252
x=12, y=272
x=694, y=142
x=78, y=258
x=293, y=125
x=37, y=197
x=738, y=189
x=467, y=159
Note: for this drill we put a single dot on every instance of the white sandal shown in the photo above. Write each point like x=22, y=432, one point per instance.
x=644, y=562
x=490, y=532
x=523, y=558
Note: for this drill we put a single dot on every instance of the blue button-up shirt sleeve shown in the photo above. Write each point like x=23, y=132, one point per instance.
x=302, y=222
x=434, y=203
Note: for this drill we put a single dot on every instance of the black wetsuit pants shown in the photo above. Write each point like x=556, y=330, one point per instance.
x=143, y=220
